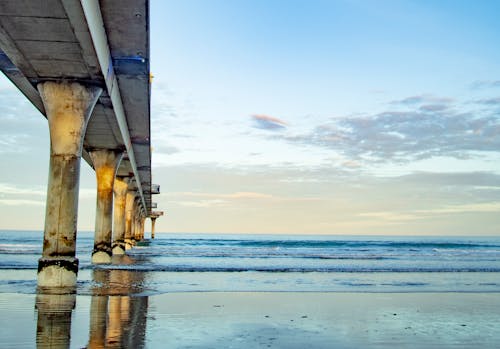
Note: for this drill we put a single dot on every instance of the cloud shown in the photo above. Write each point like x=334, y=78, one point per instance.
x=205, y=200
x=465, y=208
x=21, y=202
x=202, y=203
x=489, y=101
x=270, y=123
x=433, y=107
x=390, y=216
x=235, y=195
x=423, y=99
x=165, y=149
x=9, y=189
x=482, y=84
x=13, y=195
x=422, y=132
x=411, y=215
x=351, y=164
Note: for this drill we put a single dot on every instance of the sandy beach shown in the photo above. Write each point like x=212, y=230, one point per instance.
x=252, y=320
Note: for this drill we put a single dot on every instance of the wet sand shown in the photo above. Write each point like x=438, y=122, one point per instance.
x=252, y=320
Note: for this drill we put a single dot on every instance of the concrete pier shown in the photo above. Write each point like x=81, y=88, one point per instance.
x=105, y=163
x=120, y=190
x=68, y=107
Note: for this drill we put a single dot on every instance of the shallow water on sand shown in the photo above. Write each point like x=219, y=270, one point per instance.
x=252, y=320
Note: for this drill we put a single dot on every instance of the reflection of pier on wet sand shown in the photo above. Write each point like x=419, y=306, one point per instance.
x=117, y=317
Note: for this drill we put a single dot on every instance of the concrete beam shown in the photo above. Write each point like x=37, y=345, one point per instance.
x=95, y=23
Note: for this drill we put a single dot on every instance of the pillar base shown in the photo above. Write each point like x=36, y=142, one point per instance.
x=57, y=276
x=129, y=243
x=101, y=257
x=119, y=249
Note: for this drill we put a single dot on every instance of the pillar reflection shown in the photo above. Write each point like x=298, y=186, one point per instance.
x=118, y=313
x=117, y=316
x=54, y=320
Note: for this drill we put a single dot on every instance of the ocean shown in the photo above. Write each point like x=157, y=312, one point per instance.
x=269, y=263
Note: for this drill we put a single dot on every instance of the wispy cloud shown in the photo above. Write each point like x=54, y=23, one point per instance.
x=13, y=195
x=202, y=203
x=489, y=101
x=412, y=215
x=166, y=149
x=9, y=189
x=235, y=195
x=205, y=200
x=21, y=202
x=482, y=84
x=266, y=122
x=432, y=108
x=423, y=99
x=422, y=132
x=465, y=208
x=390, y=216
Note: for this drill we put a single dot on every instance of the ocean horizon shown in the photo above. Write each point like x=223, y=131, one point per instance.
x=261, y=262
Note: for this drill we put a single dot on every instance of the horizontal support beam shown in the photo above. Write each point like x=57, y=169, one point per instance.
x=95, y=23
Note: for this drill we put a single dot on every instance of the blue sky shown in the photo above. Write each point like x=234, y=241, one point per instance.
x=329, y=117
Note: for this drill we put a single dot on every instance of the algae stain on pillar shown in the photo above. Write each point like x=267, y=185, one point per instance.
x=105, y=163
x=68, y=107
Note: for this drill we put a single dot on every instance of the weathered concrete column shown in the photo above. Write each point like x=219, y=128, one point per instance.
x=153, y=223
x=143, y=219
x=129, y=207
x=68, y=107
x=120, y=189
x=137, y=222
x=135, y=215
x=105, y=163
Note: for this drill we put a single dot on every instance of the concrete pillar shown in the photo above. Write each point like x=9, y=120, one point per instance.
x=143, y=219
x=120, y=189
x=129, y=206
x=105, y=163
x=153, y=223
x=137, y=221
x=133, y=226
x=68, y=107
